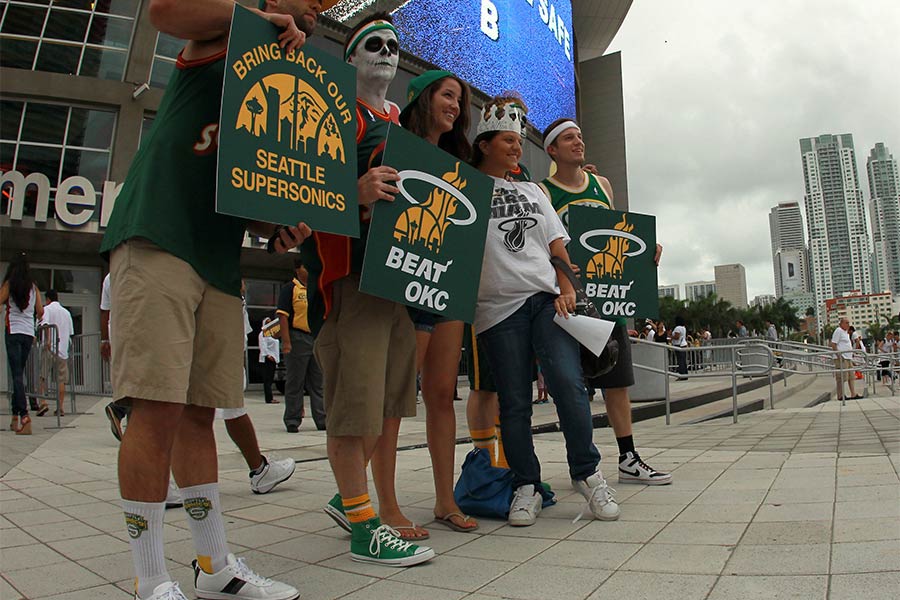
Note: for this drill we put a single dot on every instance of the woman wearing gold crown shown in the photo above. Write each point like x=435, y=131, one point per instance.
x=519, y=295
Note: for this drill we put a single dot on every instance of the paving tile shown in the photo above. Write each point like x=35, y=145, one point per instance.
x=871, y=586
x=52, y=532
x=10, y=538
x=803, y=495
x=796, y=532
x=319, y=583
x=887, y=493
x=810, y=587
x=38, y=517
x=395, y=590
x=619, y=531
x=24, y=557
x=89, y=547
x=539, y=582
x=650, y=586
x=588, y=555
x=687, y=559
x=309, y=548
x=8, y=591
x=103, y=592
x=717, y=513
x=555, y=529
x=873, y=509
x=864, y=530
x=718, y=496
x=799, y=511
x=808, y=559
x=444, y=572
x=701, y=533
x=866, y=557
x=501, y=547
x=53, y=579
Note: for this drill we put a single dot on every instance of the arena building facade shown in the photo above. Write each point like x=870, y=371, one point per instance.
x=80, y=82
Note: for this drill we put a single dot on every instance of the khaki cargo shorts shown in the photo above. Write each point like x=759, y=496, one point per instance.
x=844, y=369
x=367, y=351
x=176, y=338
x=49, y=361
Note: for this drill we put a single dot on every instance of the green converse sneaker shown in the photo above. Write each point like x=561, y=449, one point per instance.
x=335, y=510
x=380, y=544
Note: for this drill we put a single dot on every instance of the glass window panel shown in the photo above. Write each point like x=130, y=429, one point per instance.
x=7, y=155
x=103, y=63
x=66, y=25
x=39, y=159
x=162, y=72
x=79, y=4
x=76, y=281
x=41, y=277
x=58, y=58
x=24, y=20
x=168, y=46
x=91, y=128
x=18, y=54
x=87, y=163
x=110, y=31
x=44, y=123
x=146, y=124
x=261, y=293
x=126, y=8
x=10, y=116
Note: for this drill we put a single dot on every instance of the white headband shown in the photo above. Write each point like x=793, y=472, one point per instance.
x=554, y=133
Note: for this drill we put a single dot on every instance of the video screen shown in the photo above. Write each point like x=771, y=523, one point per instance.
x=525, y=46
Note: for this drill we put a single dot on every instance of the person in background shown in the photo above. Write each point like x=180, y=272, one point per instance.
x=843, y=361
x=57, y=351
x=269, y=355
x=679, y=340
x=22, y=300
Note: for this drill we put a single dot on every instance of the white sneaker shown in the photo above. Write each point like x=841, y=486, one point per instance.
x=237, y=581
x=165, y=591
x=633, y=470
x=173, y=496
x=272, y=474
x=599, y=496
x=525, y=507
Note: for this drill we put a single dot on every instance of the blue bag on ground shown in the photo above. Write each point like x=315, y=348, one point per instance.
x=486, y=491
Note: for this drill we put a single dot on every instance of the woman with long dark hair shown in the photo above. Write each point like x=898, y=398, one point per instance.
x=22, y=301
x=438, y=111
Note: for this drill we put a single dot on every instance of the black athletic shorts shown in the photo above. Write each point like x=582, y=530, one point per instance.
x=622, y=374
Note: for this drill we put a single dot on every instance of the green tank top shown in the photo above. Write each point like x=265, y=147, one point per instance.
x=562, y=196
x=169, y=194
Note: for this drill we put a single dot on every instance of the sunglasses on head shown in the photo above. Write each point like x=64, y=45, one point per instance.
x=375, y=44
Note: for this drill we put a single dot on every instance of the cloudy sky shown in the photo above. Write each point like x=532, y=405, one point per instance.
x=717, y=95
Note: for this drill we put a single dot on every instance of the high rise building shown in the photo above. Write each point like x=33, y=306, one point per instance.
x=790, y=261
x=731, y=284
x=669, y=291
x=884, y=211
x=697, y=290
x=835, y=217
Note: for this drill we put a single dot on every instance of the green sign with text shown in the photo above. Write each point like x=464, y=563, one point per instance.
x=425, y=248
x=287, y=132
x=615, y=252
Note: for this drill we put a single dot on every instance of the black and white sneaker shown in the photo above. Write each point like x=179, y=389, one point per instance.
x=237, y=581
x=633, y=470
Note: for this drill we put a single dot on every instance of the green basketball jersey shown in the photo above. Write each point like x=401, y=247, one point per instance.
x=169, y=194
x=562, y=196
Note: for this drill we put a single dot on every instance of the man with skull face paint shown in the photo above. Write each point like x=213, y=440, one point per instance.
x=365, y=345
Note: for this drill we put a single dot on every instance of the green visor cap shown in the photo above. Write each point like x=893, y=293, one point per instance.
x=417, y=86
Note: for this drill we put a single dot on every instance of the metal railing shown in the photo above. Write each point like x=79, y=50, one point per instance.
x=763, y=358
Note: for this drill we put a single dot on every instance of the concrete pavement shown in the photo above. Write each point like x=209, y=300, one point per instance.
x=788, y=503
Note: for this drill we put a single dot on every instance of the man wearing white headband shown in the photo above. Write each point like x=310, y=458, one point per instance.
x=577, y=183
x=365, y=345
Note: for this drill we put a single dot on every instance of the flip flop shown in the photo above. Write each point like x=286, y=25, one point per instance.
x=412, y=529
x=447, y=521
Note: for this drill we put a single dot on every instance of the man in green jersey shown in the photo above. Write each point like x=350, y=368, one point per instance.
x=175, y=271
x=577, y=183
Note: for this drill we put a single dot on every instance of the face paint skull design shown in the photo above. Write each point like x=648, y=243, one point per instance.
x=376, y=56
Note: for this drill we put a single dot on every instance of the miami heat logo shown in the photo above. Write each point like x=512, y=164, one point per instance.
x=286, y=109
x=515, y=229
x=610, y=262
x=426, y=223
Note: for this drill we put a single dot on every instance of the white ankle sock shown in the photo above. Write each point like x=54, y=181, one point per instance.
x=144, y=522
x=201, y=502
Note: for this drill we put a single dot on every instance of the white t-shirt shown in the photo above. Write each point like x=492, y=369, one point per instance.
x=682, y=340
x=650, y=335
x=268, y=346
x=516, y=262
x=842, y=340
x=56, y=314
x=18, y=320
x=105, y=300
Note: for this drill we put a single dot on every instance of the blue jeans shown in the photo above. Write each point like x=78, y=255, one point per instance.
x=18, y=346
x=511, y=347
